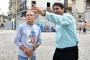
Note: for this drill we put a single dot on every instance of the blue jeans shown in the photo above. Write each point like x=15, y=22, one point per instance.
x=25, y=58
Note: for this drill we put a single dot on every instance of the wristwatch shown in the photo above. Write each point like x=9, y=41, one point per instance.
x=44, y=14
x=34, y=48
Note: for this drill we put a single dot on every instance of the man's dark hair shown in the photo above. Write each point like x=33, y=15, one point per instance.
x=59, y=4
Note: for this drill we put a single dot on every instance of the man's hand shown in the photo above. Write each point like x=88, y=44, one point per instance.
x=37, y=10
x=28, y=51
x=30, y=56
x=31, y=53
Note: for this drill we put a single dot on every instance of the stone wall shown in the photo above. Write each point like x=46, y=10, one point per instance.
x=87, y=16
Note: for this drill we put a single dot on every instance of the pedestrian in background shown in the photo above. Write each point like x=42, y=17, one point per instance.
x=28, y=37
x=84, y=27
x=66, y=38
x=80, y=27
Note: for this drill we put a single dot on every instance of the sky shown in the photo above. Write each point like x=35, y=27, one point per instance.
x=4, y=4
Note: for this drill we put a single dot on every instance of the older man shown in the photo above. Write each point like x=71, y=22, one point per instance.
x=28, y=37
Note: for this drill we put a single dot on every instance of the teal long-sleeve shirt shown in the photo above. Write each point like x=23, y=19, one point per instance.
x=65, y=29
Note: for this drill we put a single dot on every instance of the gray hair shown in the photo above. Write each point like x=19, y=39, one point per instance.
x=32, y=11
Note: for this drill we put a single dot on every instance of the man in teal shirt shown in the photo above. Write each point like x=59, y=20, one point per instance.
x=66, y=39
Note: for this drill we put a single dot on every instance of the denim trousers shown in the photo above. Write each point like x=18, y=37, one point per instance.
x=26, y=58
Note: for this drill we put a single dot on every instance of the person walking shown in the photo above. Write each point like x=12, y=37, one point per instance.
x=80, y=27
x=66, y=37
x=84, y=27
x=28, y=38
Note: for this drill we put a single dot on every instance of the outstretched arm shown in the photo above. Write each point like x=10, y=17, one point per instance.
x=64, y=19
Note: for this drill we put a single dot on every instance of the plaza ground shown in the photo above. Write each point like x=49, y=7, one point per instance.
x=9, y=51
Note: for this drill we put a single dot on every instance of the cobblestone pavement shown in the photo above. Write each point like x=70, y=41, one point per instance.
x=8, y=50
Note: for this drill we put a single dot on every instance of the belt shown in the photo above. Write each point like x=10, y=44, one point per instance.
x=67, y=48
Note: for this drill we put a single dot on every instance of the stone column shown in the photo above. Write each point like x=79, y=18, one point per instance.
x=29, y=4
x=87, y=16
